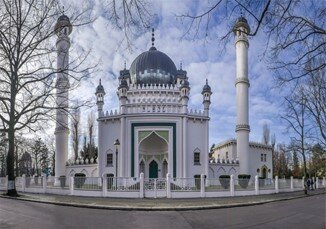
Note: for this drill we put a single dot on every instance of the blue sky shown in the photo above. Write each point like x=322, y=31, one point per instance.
x=202, y=58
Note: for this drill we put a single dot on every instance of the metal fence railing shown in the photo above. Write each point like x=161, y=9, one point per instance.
x=57, y=182
x=265, y=184
x=217, y=184
x=88, y=183
x=297, y=183
x=185, y=184
x=155, y=184
x=244, y=184
x=284, y=183
x=123, y=184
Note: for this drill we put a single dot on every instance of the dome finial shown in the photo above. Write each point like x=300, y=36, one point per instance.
x=180, y=65
x=153, y=37
x=100, y=82
x=125, y=65
x=206, y=81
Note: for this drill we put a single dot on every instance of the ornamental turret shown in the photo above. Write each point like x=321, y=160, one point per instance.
x=63, y=29
x=122, y=93
x=241, y=31
x=207, y=92
x=184, y=94
x=100, y=93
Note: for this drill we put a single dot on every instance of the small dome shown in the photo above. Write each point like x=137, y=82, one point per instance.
x=123, y=84
x=241, y=22
x=63, y=21
x=100, y=88
x=206, y=88
x=185, y=84
x=159, y=68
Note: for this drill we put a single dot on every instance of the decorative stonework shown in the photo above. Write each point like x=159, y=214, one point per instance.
x=242, y=127
x=242, y=80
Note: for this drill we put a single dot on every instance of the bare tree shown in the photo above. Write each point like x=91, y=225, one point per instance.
x=294, y=35
x=75, y=132
x=266, y=134
x=298, y=124
x=27, y=68
x=314, y=93
x=129, y=16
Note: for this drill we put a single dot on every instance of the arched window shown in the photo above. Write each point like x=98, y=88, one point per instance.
x=196, y=158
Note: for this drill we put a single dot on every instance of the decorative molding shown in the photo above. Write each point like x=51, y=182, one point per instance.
x=242, y=80
x=245, y=127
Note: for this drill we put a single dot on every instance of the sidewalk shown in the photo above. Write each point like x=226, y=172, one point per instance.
x=162, y=204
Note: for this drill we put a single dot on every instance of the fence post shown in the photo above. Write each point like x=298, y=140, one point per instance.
x=324, y=182
x=232, y=185
x=155, y=188
x=44, y=182
x=291, y=183
x=104, y=185
x=23, y=182
x=6, y=183
x=141, y=185
x=202, y=185
x=71, y=187
x=303, y=183
x=256, y=185
x=276, y=184
x=168, y=185
x=317, y=185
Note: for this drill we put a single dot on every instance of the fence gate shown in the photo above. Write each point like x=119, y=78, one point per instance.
x=154, y=187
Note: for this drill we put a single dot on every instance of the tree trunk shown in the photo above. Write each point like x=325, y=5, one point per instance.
x=10, y=163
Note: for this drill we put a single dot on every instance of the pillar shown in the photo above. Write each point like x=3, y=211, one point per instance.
x=276, y=184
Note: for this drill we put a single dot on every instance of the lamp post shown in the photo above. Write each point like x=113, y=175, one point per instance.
x=117, y=144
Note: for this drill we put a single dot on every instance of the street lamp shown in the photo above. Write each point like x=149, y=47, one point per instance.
x=117, y=144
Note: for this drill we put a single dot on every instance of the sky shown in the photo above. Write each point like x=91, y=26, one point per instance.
x=202, y=58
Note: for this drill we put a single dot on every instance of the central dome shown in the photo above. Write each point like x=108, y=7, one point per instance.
x=153, y=67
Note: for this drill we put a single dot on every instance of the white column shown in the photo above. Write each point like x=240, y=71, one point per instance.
x=71, y=185
x=202, y=185
x=104, y=185
x=291, y=183
x=324, y=182
x=303, y=182
x=62, y=100
x=242, y=98
x=122, y=151
x=276, y=184
x=141, y=185
x=23, y=182
x=168, y=185
x=317, y=185
x=256, y=185
x=232, y=185
x=44, y=182
x=184, y=146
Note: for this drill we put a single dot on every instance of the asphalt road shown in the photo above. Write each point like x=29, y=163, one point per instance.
x=299, y=213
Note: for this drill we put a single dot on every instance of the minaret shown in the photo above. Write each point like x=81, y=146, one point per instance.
x=62, y=29
x=185, y=90
x=207, y=92
x=122, y=93
x=241, y=29
x=100, y=93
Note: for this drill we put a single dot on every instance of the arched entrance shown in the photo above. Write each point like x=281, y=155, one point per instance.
x=153, y=153
x=264, y=172
x=153, y=169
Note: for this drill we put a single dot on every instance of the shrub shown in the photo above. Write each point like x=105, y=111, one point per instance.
x=81, y=178
x=244, y=176
x=225, y=181
x=62, y=180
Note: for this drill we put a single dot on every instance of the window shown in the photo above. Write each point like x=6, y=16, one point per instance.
x=197, y=158
x=109, y=159
x=227, y=155
x=265, y=157
x=261, y=157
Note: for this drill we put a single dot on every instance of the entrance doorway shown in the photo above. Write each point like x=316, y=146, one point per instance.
x=153, y=169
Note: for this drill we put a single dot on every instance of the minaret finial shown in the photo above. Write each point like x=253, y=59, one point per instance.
x=241, y=12
x=125, y=65
x=153, y=37
x=206, y=81
x=63, y=10
x=180, y=65
x=100, y=81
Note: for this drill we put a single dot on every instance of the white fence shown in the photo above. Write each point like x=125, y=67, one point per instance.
x=138, y=187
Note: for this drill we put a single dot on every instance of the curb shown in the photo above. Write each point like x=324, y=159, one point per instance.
x=185, y=208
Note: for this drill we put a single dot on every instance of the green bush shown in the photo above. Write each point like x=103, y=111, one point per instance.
x=225, y=176
x=244, y=176
x=81, y=178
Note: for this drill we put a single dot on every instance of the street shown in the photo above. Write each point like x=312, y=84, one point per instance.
x=298, y=213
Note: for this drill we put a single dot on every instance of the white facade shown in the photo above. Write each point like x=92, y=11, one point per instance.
x=154, y=131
